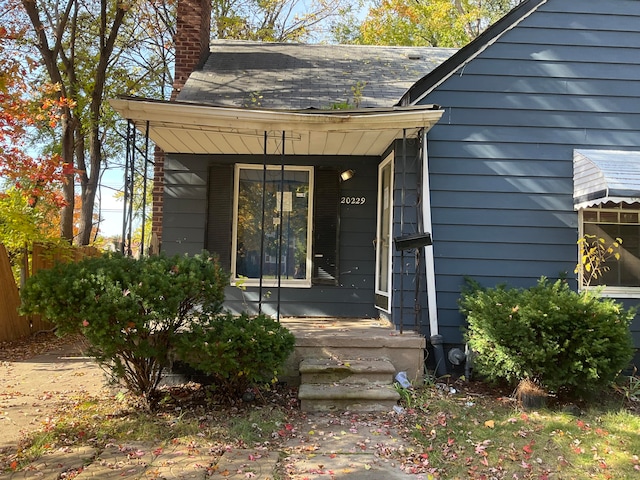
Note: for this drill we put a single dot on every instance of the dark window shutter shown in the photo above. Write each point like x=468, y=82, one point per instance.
x=219, y=213
x=326, y=226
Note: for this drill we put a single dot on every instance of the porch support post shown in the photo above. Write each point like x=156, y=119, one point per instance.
x=264, y=196
x=428, y=250
x=132, y=182
x=126, y=188
x=280, y=236
x=129, y=180
x=144, y=187
x=402, y=207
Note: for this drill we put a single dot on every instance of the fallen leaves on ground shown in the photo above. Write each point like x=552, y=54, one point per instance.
x=470, y=431
x=29, y=347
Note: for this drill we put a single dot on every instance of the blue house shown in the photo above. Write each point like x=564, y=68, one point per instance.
x=538, y=145
x=489, y=162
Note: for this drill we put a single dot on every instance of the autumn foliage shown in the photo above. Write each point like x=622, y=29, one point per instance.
x=30, y=197
x=22, y=108
x=437, y=23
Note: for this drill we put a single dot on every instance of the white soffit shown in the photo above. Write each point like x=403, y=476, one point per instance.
x=601, y=176
x=202, y=129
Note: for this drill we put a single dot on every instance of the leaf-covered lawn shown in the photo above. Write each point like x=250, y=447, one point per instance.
x=466, y=435
x=457, y=430
x=482, y=436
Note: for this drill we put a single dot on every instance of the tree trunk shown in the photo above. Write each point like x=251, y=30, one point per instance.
x=68, y=191
x=86, y=213
x=61, y=67
x=89, y=177
x=89, y=188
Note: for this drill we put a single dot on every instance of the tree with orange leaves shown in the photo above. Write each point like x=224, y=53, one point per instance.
x=21, y=109
x=31, y=189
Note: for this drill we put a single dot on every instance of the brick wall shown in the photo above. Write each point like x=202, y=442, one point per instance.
x=193, y=34
x=193, y=30
x=158, y=201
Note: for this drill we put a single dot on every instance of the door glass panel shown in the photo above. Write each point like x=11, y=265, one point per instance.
x=286, y=205
x=383, y=240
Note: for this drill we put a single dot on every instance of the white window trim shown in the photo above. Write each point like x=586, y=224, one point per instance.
x=271, y=283
x=380, y=193
x=605, y=291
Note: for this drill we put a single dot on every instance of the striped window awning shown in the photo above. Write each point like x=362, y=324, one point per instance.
x=601, y=176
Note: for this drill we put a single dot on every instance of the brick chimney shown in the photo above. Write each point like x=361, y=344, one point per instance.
x=193, y=34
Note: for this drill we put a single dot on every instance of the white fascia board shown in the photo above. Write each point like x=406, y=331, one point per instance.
x=209, y=117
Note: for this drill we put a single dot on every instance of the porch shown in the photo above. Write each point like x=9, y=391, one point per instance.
x=350, y=363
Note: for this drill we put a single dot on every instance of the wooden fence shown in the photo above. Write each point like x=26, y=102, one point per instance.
x=12, y=325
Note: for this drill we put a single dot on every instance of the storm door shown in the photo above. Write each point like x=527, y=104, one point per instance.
x=383, y=235
x=272, y=221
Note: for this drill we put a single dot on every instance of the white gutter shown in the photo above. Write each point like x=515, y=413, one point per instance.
x=428, y=250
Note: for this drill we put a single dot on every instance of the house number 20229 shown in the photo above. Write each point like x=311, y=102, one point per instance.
x=353, y=200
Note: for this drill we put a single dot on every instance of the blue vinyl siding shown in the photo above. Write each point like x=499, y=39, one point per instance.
x=500, y=159
x=185, y=203
x=185, y=231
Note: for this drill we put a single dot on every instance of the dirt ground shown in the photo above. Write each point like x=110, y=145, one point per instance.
x=37, y=375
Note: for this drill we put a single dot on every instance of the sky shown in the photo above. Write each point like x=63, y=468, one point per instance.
x=111, y=208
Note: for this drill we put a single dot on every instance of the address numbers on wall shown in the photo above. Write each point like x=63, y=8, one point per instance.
x=353, y=200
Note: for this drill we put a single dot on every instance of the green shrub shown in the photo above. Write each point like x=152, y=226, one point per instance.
x=237, y=351
x=568, y=342
x=129, y=310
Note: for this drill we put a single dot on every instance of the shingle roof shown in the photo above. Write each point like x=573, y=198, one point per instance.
x=296, y=76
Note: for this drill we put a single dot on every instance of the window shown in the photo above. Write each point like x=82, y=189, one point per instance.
x=611, y=221
x=283, y=235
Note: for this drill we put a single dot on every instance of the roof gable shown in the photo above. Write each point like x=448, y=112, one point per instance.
x=295, y=76
x=601, y=28
x=423, y=86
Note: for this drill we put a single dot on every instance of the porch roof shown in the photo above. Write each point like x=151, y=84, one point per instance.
x=181, y=127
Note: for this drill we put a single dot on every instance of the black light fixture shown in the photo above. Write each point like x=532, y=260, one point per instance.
x=347, y=175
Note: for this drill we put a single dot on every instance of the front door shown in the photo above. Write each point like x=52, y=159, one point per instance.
x=383, y=235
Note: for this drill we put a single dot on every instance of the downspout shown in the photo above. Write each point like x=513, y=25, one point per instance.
x=435, y=339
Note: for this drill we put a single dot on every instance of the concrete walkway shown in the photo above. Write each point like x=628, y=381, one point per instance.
x=32, y=389
x=333, y=454
x=346, y=445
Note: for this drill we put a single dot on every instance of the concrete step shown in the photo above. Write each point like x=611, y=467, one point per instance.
x=322, y=397
x=349, y=338
x=332, y=371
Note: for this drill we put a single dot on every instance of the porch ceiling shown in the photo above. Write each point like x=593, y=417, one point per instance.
x=179, y=127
